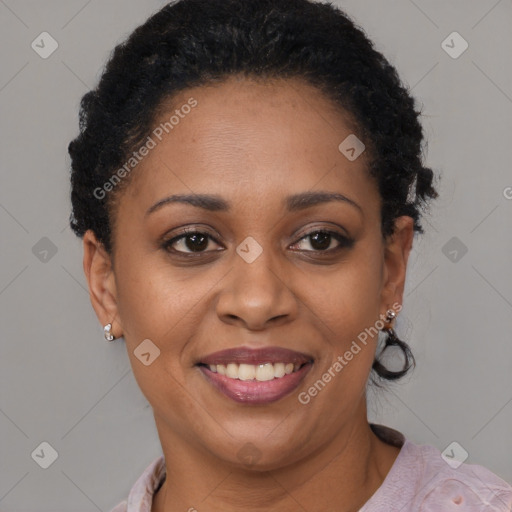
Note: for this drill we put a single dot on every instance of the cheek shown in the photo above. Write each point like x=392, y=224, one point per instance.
x=348, y=299
x=154, y=298
x=348, y=305
x=165, y=304
x=155, y=304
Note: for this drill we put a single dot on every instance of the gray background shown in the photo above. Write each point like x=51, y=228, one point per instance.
x=61, y=383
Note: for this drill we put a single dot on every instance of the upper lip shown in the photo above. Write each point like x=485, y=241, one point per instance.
x=246, y=355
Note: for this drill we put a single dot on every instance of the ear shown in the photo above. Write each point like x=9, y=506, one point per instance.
x=101, y=280
x=396, y=254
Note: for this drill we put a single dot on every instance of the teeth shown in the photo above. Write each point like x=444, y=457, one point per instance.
x=265, y=372
x=260, y=372
x=246, y=372
x=232, y=371
x=279, y=370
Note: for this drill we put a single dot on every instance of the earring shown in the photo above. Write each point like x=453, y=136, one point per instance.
x=388, y=327
x=107, y=332
x=390, y=316
x=392, y=340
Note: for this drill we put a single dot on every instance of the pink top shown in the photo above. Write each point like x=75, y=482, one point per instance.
x=420, y=480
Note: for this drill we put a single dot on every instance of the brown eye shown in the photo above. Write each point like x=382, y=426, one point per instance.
x=320, y=240
x=190, y=242
x=324, y=241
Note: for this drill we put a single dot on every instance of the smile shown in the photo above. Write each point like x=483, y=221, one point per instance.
x=255, y=376
x=260, y=372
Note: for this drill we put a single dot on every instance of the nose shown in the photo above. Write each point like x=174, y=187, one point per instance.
x=256, y=295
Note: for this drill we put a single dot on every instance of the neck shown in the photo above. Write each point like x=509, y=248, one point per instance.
x=342, y=475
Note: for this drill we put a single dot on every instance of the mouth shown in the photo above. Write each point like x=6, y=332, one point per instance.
x=258, y=376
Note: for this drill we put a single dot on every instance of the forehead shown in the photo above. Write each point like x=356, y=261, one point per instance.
x=249, y=140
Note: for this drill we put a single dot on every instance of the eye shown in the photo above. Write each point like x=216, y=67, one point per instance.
x=323, y=241
x=198, y=242
x=190, y=241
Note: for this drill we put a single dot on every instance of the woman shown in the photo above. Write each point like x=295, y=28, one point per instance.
x=247, y=182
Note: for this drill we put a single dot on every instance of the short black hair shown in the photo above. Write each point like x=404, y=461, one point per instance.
x=191, y=43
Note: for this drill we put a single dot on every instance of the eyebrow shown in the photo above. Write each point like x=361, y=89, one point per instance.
x=216, y=203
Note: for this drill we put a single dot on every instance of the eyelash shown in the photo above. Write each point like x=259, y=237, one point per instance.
x=344, y=243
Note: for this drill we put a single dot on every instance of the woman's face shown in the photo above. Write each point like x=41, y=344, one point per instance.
x=267, y=178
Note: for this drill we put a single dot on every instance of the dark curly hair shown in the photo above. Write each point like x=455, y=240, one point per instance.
x=191, y=43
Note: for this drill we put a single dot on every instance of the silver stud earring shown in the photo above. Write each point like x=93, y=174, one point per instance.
x=107, y=332
x=390, y=315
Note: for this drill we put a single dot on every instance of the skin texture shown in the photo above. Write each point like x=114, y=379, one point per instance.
x=254, y=144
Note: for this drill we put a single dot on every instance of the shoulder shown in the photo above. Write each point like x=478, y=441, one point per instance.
x=141, y=494
x=422, y=479
x=122, y=507
x=445, y=483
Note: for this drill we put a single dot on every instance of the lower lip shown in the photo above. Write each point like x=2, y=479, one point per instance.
x=255, y=392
